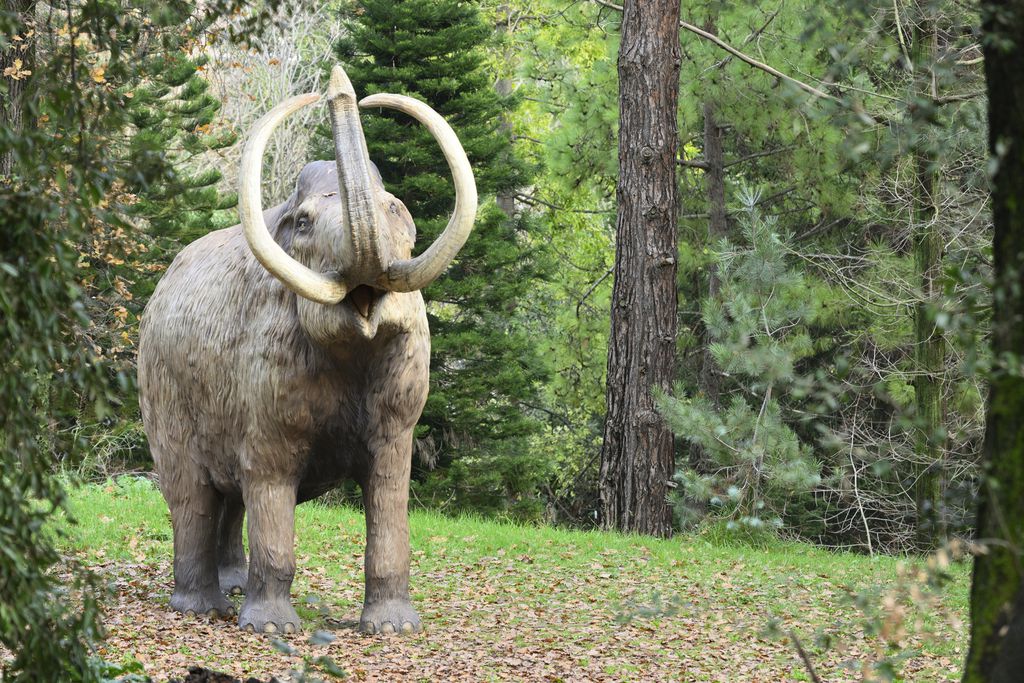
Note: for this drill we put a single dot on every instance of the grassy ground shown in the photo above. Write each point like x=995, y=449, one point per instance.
x=504, y=602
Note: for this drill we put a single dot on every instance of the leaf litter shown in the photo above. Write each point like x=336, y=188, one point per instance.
x=538, y=611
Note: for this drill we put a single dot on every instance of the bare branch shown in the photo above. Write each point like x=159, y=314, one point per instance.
x=805, y=657
x=703, y=165
x=592, y=288
x=946, y=99
x=757, y=155
x=739, y=55
x=693, y=163
x=533, y=201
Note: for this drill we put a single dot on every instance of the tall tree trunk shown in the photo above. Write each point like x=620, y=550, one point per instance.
x=17, y=60
x=997, y=592
x=930, y=347
x=709, y=381
x=709, y=377
x=637, y=458
x=506, y=199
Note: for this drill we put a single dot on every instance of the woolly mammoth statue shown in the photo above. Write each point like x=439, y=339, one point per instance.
x=283, y=355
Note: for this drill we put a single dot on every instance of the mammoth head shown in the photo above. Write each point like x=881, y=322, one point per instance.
x=363, y=235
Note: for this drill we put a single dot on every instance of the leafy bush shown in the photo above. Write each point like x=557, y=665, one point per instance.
x=65, y=163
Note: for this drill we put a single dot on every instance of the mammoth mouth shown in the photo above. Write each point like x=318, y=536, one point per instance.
x=363, y=298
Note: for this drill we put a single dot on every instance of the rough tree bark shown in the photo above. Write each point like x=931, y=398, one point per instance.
x=997, y=592
x=930, y=347
x=15, y=63
x=637, y=456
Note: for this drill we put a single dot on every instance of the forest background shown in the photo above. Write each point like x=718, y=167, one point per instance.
x=830, y=273
x=832, y=268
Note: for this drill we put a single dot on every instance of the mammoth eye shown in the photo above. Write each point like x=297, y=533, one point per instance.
x=303, y=224
x=393, y=208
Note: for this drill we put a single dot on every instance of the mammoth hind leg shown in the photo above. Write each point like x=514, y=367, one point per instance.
x=231, y=567
x=195, y=512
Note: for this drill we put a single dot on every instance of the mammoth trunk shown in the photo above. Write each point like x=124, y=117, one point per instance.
x=364, y=261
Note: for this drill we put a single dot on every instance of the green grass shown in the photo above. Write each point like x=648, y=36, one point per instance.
x=534, y=587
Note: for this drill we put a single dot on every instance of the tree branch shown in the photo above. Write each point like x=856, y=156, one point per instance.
x=753, y=35
x=821, y=226
x=805, y=657
x=736, y=53
x=757, y=155
x=693, y=163
x=592, y=288
x=702, y=164
x=533, y=201
x=946, y=99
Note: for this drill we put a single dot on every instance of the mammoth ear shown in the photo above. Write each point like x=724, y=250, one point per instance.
x=282, y=223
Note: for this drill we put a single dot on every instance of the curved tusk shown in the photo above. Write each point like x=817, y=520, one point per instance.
x=303, y=281
x=408, y=275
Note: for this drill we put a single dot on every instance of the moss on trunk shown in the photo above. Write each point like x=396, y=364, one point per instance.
x=997, y=593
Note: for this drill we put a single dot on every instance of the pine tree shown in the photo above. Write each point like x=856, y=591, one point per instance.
x=638, y=453
x=174, y=117
x=484, y=369
x=759, y=323
x=171, y=121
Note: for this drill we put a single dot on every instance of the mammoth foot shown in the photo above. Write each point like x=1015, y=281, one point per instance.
x=269, y=617
x=233, y=579
x=211, y=603
x=389, y=616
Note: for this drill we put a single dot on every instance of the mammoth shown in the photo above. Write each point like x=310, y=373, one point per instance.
x=283, y=355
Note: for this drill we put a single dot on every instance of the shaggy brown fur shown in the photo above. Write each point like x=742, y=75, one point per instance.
x=255, y=399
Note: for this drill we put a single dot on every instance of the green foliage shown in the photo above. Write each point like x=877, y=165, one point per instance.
x=65, y=136
x=562, y=58
x=841, y=175
x=166, y=205
x=173, y=116
x=485, y=369
x=59, y=178
x=759, y=324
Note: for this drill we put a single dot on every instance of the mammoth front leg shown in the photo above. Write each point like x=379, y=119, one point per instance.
x=271, y=514
x=386, y=604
